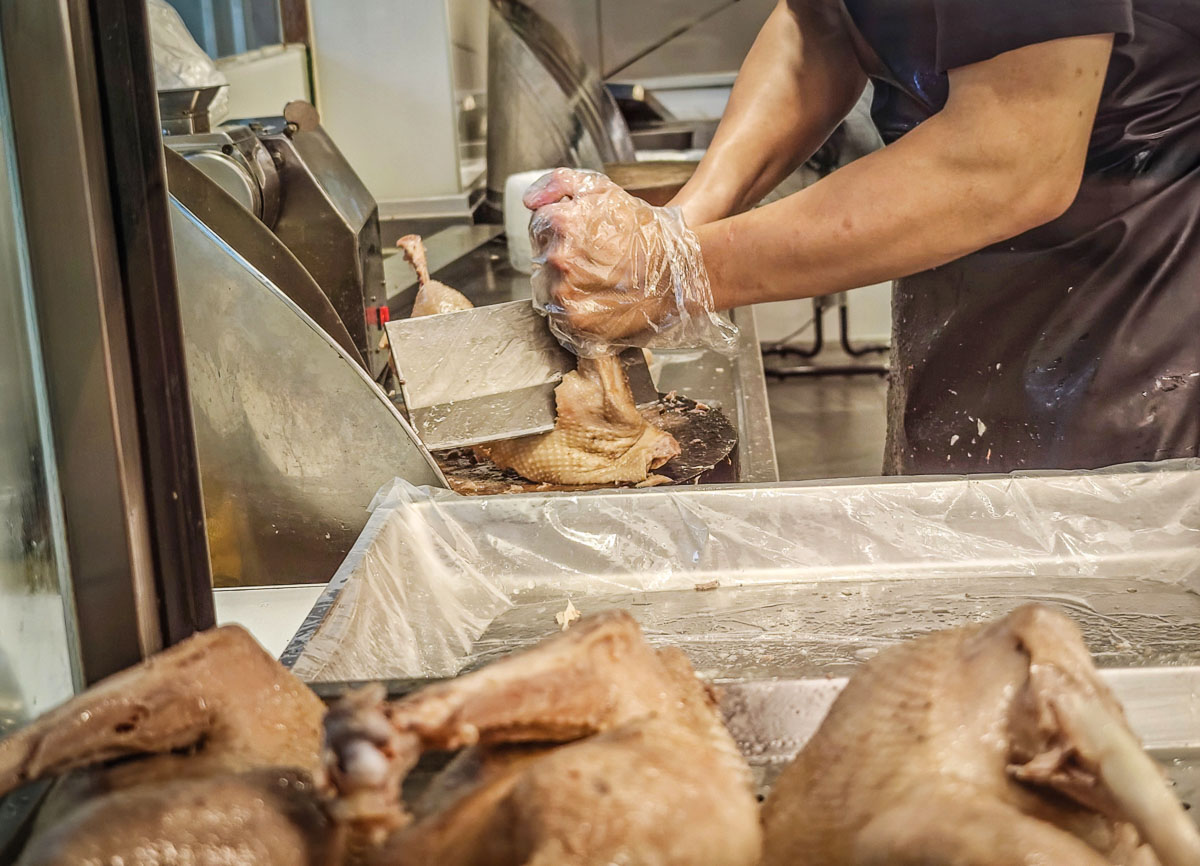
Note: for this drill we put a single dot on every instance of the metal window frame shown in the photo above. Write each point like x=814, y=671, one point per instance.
x=90, y=169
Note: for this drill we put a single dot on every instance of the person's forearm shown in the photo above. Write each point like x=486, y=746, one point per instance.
x=912, y=206
x=1005, y=155
x=799, y=80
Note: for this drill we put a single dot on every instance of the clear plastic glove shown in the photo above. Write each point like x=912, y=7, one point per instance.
x=611, y=270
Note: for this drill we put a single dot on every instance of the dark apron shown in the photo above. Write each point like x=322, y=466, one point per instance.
x=1075, y=345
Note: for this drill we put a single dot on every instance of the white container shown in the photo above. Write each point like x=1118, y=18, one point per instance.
x=516, y=219
x=263, y=81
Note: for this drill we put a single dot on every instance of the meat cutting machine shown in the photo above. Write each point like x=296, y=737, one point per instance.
x=289, y=174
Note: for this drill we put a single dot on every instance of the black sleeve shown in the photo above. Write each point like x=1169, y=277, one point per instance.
x=971, y=31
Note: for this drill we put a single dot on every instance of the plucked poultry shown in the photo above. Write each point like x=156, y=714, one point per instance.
x=432, y=297
x=599, y=436
x=991, y=745
x=216, y=745
x=648, y=773
x=204, y=754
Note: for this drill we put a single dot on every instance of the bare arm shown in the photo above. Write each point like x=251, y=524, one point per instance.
x=1005, y=155
x=798, y=82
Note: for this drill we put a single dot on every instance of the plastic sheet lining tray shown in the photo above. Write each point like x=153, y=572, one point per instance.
x=809, y=578
x=778, y=592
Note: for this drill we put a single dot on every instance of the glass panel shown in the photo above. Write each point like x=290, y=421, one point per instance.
x=38, y=667
x=225, y=27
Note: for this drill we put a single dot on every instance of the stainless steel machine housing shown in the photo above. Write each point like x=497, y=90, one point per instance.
x=288, y=172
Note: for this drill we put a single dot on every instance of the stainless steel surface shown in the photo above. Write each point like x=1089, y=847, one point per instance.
x=634, y=30
x=579, y=23
x=294, y=438
x=72, y=261
x=634, y=38
x=804, y=628
x=329, y=220
x=717, y=37
x=228, y=174
x=185, y=111
x=256, y=243
x=735, y=384
x=239, y=163
x=291, y=176
x=546, y=106
x=485, y=374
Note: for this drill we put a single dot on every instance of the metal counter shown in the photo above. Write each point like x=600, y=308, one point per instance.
x=474, y=260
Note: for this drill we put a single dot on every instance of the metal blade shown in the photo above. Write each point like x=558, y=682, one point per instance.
x=487, y=374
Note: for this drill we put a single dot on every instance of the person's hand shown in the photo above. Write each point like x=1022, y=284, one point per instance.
x=615, y=271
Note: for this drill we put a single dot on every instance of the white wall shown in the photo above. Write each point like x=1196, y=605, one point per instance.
x=870, y=318
x=385, y=92
x=469, y=38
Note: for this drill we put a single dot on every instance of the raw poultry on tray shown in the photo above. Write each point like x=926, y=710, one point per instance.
x=996, y=743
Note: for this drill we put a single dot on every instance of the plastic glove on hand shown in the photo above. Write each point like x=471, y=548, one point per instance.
x=613, y=271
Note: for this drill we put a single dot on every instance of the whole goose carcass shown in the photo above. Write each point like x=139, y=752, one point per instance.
x=599, y=436
x=991, y=745
x=432, y=297
x=646, y=773
x=206, y=753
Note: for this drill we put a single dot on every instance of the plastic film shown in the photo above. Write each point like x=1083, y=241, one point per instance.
x=765, y=580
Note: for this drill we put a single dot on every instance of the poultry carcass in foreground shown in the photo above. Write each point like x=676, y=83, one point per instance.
x=205, y=754
x=992, y=744
x=648, y=773
x=217, y=746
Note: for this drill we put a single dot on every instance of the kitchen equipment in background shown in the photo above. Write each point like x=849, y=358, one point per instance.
x=209, y=202
x=185, y=111
x=277, y=253
x=546, y=106
x=293, y=437
x=287, y=171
